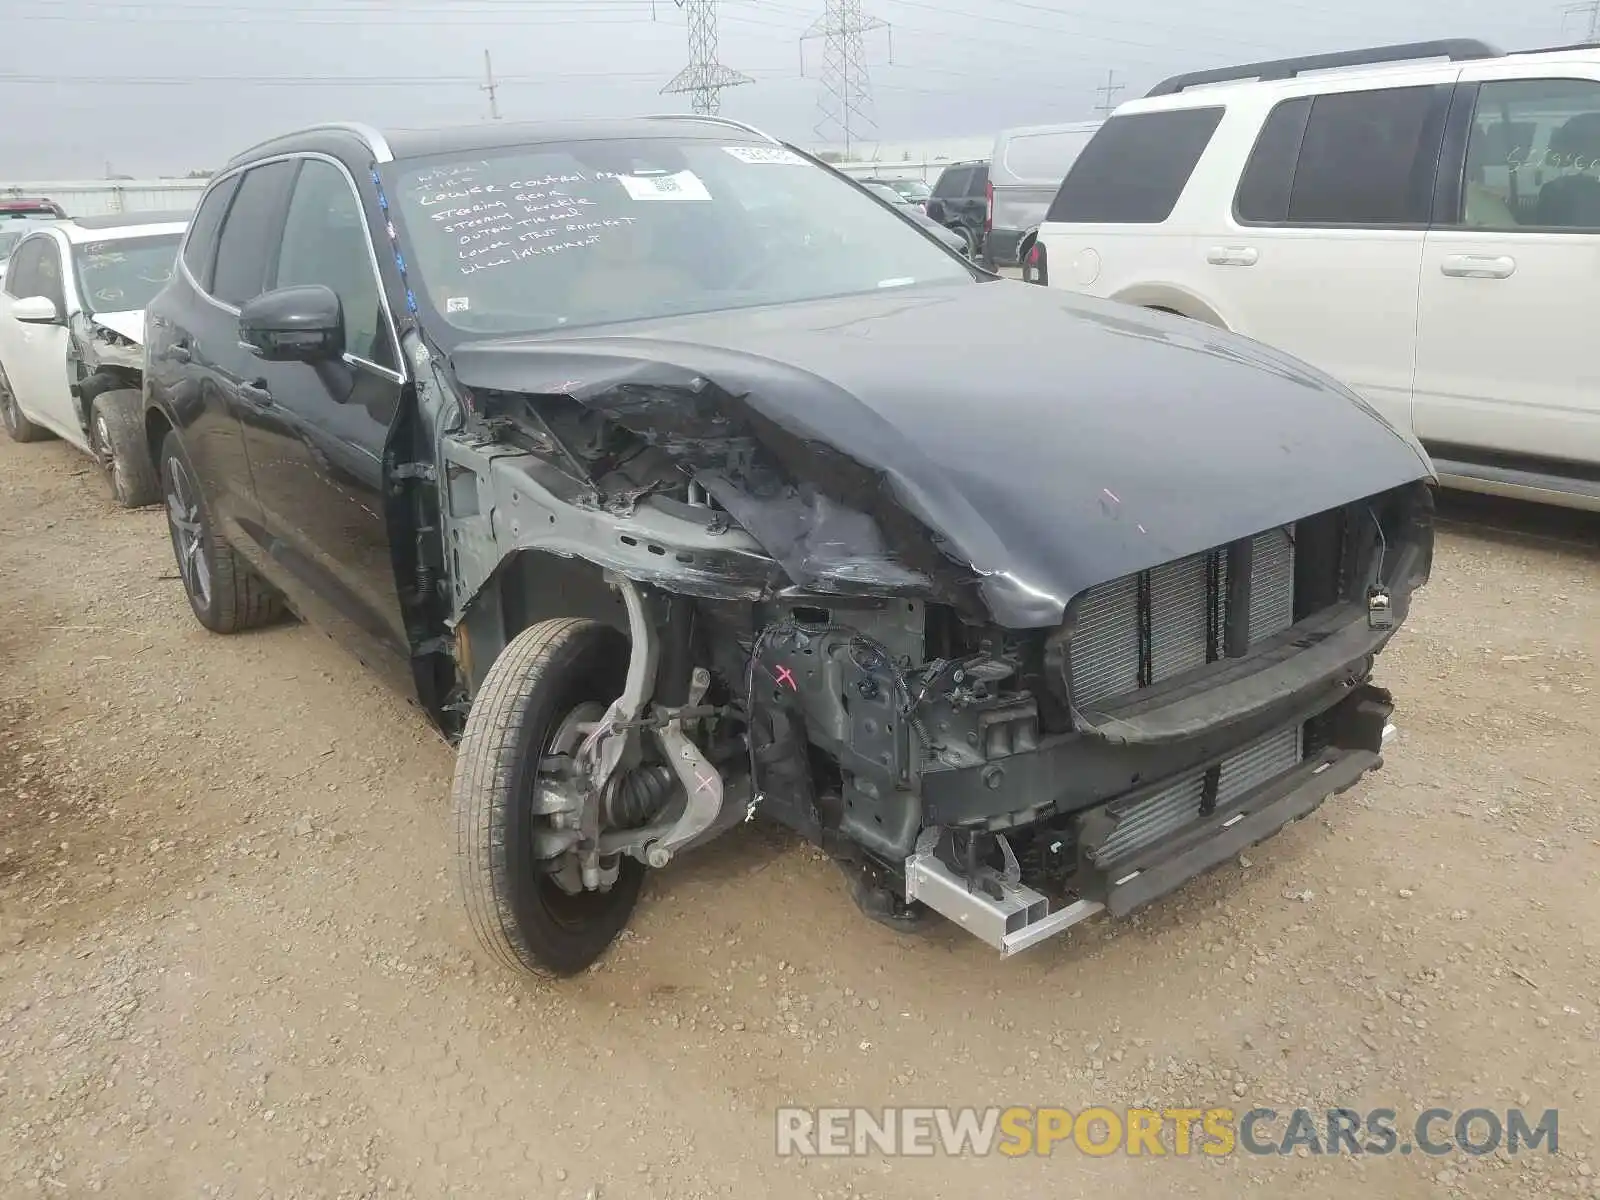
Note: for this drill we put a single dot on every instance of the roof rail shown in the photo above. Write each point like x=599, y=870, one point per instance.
x=374, y=140
x=1455, y=49
x=1558, y=49
x=728, y=121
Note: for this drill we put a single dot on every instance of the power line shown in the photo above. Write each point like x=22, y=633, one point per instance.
x=704, y=78
x=397, y=80
x=845, y=95
x=1108, y=93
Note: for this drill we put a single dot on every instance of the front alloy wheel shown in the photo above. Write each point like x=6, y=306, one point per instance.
x=530, y=908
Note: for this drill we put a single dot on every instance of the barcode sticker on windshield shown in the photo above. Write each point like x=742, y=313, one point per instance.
x=685, y=185
x=765, y=154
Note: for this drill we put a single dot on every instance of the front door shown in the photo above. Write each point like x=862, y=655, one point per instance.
x=35, y=355
x=317, y=434
x=1511, y=280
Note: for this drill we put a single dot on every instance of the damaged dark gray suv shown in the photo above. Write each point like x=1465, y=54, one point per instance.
x=681, y=482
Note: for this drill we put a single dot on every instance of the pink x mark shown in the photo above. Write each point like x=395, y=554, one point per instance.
x=784, y=675
x=704, y=781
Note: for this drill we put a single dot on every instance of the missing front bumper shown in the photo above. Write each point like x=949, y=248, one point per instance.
x=1010, y=916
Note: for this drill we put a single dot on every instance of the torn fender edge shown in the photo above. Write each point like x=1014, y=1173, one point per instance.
x=834, y=525
x=499, y=500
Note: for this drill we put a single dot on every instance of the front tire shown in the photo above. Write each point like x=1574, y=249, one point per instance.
x=225, y=593
x=517, y=909
x=116, y=432
x=18, y=427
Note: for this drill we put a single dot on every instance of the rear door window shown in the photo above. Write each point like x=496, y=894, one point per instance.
x=1044, y=157
x=953, y=182
x=1369, y=158
x=1135, y=167
x=1268, y=177
x=250, y=233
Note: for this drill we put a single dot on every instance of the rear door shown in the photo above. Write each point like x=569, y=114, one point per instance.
x=317, y=436
x=1323, y=251
x=35, y=356
x=1511, y=274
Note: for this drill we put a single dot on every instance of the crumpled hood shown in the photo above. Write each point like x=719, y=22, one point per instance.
x=129, y=324
x=1050, y=441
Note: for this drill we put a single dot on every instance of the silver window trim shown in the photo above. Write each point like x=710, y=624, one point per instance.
x=714, y=120
x=375, y=141
x=372, y=254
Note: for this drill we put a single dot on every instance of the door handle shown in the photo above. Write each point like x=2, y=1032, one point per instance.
x=255, y=394
x=1478, y=266
x=180, y=353
x=1232, y=256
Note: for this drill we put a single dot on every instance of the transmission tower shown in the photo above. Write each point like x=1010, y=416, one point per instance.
x=1109, y=89
x=1589, y=9
x=704, y=77
x=845, y=98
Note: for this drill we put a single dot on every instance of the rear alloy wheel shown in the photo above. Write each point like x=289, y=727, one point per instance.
x=116, y=433
x=226, y=594
x=531, y=911
x=18, y=427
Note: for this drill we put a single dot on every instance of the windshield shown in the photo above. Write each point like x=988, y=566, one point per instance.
x=125, y=274
x=529, y=239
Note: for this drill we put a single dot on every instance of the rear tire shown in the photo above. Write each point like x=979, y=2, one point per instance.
x=18, y=427
x=116, y=434
x=225, y=593
x=517, y=910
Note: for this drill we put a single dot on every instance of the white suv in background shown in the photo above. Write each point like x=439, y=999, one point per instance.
x=1426, y=231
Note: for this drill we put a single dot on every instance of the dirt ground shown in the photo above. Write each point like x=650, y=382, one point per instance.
x=233, y=964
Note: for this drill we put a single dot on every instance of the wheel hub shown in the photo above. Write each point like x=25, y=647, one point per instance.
x=559, y=798
x=183, y=516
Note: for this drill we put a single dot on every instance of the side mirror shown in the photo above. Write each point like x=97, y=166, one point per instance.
x=36, y=310
x=304, y=323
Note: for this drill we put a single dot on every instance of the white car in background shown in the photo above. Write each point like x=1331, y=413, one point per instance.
x=72, y=339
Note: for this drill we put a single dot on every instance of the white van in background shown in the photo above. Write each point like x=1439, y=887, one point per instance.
x=1025, y=170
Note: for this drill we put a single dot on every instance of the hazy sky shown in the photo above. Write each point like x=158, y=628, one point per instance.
x=160, y=88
